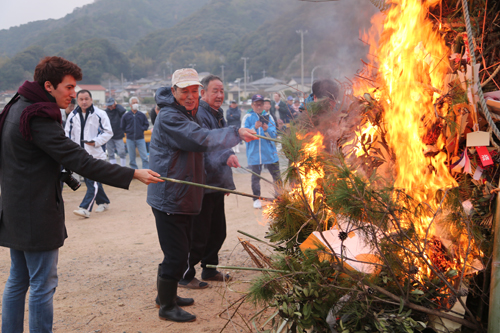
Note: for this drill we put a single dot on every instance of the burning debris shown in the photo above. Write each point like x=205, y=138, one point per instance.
x=386, y=225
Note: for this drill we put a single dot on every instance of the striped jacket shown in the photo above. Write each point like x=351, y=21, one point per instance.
x=97, y=128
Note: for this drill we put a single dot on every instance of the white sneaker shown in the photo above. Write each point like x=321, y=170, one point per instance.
x=257, y=204
x=102, y=207
x=82, y=212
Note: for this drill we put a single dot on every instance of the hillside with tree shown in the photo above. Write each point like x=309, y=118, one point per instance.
x=146, y=37
x=122, y=22
x=205, y=37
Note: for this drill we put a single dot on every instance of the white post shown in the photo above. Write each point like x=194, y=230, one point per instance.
x=245, y=76
x=302, y=32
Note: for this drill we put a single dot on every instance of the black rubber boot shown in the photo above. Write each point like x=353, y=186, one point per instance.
x=169, y=310
x=181, y=301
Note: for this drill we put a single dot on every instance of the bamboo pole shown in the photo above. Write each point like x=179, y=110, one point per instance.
x=494, y=318
x=249, y=269
x=214, y=188
x=256, y=174
x=266, y=138
x=257, y=239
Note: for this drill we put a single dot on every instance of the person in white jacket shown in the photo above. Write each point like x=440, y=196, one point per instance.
x=89, y=126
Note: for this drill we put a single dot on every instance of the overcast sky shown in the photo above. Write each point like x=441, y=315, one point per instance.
x=17, y=12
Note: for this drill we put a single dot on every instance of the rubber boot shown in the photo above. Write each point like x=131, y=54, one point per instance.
x=181, y=301
x=169, y=310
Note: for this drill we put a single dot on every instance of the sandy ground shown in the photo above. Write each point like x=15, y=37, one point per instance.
x=107, y=267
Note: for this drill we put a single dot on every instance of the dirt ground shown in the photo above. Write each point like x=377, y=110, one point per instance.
x=107, y=267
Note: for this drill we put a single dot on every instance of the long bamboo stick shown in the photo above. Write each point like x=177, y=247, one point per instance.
x=249, y=269
x=266, y=138
x=494, y=319
x=214, y=188
x=256, y=174
x=257, y=239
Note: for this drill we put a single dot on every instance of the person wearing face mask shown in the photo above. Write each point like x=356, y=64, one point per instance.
x=134, y=123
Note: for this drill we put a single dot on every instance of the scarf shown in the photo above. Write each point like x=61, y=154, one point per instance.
x=42, y=107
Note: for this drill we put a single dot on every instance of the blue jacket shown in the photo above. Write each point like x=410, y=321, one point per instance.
x=260, y=151
x=176, y=151
x=217, y=171
x=134, y=125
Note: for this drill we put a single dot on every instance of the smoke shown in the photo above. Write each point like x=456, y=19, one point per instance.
x=333, y=39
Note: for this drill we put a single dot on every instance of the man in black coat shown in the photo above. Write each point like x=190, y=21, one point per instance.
x=33, y=150
x=233, y=118
x=115, y=113
x=233, y=115
x=208, y=231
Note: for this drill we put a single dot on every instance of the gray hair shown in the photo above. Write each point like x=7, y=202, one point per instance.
x=207, y=79
x=132, y=98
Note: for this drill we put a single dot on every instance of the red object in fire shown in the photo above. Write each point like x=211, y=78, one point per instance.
x=484, y=156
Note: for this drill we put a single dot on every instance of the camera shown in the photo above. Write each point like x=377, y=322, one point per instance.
x=264, y=119
x=72, y=182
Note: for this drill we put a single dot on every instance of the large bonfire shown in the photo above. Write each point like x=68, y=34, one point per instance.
x=377, y=232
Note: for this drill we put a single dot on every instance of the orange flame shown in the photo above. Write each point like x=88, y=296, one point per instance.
x=411, y=65
x=310, y=176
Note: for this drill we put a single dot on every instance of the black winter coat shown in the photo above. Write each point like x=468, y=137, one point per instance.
x=31, y=205
x=233, y=117
x=176, y=151
x=217, y=171
x=115, y=119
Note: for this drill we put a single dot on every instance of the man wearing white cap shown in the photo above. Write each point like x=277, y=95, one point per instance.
x=176, y=151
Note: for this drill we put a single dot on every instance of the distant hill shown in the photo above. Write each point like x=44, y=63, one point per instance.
x=205, y=37
x=332, y=41
x=224, y=31
x=122, y=22
x=95, y=57
x=138, y=38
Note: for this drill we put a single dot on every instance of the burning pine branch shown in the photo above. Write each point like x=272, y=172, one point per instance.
x=380, y=227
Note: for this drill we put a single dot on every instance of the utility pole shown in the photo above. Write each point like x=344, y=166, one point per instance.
x=264, y=73
x=169, y=65
x=245, y=72
x=122, y=89
x=302, y=32
x=222, y=66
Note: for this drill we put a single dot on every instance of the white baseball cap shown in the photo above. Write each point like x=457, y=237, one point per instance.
x=185, y=77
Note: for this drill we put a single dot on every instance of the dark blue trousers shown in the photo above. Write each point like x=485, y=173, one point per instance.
x=95, y=193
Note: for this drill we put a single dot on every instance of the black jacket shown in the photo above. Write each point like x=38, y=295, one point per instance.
x=217, y=171
x=31, y=205
x=115, y=118
x=176, y=151
x=233, y=117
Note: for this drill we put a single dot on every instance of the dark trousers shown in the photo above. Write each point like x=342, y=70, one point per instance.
x=208, y=233
x=274, y=169
x=174, y=233
x=95, y=193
